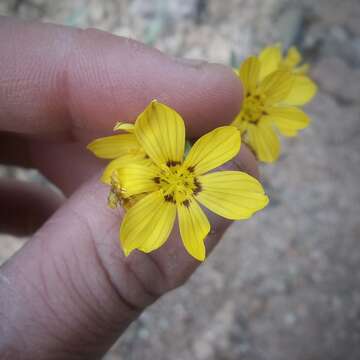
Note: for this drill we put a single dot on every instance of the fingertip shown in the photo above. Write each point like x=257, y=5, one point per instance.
x=218, y=101
x=75, y=84
x=113, y=78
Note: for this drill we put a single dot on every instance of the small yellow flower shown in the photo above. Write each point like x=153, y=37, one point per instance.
x=303, y=89
x=170, y=186
x=266, y=109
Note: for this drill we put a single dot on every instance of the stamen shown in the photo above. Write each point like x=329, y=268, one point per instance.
x=253, y=108
x=169, y=198
x=178, y=183
x=172, y=163
x=198, y=186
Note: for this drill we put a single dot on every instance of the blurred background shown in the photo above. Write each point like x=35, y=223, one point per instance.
x=285, y=284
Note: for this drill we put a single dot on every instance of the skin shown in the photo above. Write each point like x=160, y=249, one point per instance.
x=70, y=292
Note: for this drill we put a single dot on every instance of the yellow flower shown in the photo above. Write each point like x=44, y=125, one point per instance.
x=266, y=109
x=170, y=186
x=303, y=89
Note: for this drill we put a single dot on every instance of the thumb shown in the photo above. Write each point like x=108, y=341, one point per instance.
x=78, y=83
x=74, y=289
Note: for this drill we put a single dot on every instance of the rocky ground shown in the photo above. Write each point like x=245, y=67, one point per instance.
x=285, y=284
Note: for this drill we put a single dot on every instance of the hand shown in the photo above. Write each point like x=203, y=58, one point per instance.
x=70, y=292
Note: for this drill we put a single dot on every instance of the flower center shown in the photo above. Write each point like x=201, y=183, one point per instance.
x=178, y=183
x=253, y=107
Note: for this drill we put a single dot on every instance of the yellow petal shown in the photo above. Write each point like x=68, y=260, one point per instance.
x=270, y=59
x=124, y=126
x=213, y=149
x=264, y=141
x=233, y=195
x=249, y=73
x=137, y=178
x=161, y=132
x=288, y=119
x=147, y=225
x=121, y=162
x=293, y=57
x=194, y=226
x=303, y=90
x=277, y=86
x=111, y=147
x=302, y=69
